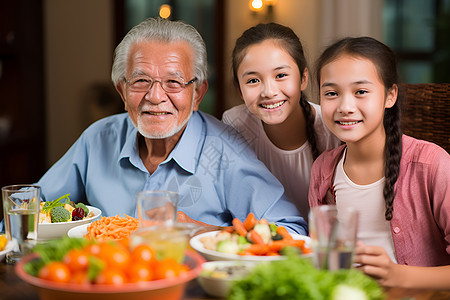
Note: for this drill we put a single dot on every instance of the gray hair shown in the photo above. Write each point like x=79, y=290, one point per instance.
x=161, y=30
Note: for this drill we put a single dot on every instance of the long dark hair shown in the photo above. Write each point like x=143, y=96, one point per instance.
x=385, y=62
x=291, y=43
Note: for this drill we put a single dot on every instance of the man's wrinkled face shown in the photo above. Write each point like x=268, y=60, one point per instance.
x=158, y=113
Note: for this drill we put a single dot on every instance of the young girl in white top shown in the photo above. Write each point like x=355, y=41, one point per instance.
x=284, y=129
x=399, y=185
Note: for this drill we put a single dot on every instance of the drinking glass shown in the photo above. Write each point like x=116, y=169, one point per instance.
x=157, y=207
x=21, y=204
x=333, y=234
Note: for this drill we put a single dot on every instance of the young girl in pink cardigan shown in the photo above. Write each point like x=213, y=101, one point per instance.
x=399, y=185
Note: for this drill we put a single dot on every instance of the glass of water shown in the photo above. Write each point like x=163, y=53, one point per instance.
x=21, y=204
x=333, y=234
x=157, y=208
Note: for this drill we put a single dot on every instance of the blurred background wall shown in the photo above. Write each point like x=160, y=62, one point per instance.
x=78, y=39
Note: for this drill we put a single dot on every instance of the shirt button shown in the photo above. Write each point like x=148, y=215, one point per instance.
x=396, y=230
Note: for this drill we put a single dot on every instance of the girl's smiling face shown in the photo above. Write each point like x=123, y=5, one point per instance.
x=270, y=82
x=353, y=99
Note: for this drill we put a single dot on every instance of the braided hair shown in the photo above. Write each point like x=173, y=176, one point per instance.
x=385, y=62
x=286, y=37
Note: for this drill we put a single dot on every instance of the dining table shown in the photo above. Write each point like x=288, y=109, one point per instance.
x=14, y=288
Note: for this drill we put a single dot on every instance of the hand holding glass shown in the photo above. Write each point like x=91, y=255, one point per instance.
x=333, y=233
x=21, y=204
x=157, y=207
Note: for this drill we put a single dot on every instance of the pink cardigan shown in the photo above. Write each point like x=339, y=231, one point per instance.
x=420, y=225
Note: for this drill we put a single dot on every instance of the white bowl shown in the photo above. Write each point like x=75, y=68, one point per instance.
x=220, y=286
x=78, y=231
x=47, y=231
x=215, y=255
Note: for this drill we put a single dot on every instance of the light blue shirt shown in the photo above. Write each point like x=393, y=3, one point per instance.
x=215, y=172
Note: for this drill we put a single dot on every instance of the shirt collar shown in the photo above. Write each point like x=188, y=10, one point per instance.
x=130, y=149
x=185, y=153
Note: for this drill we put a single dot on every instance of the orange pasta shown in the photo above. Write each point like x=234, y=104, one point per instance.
x=112, y=228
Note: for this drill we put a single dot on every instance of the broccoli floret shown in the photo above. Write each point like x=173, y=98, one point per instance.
x=60, y=214
x=86, y=210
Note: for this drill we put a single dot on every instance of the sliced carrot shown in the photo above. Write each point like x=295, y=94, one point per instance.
x=296, y=243
x=239, y=227
x=276, y=246
x=257, y=249
x=284, y=233
x=256, y=238
x=250, y=221
x=229, y=229
x=306, y=250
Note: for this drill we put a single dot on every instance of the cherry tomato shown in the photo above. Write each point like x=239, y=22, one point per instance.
x=111, y=276
x=125, y=242
x=143, y=253
x=167, y=268
x=183, y=269
x=92, y=249
x=114, y=255
x=139, y=272
x=76, y=260
x=80, y=277
x=55, y=271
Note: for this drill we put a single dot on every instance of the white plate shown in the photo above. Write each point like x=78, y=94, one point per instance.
x=47, y=231
x=9, y=247
x=78, y=232
x=215, y=255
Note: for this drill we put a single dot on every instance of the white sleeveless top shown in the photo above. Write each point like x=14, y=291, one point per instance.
x=291, y=167
x=368, y=200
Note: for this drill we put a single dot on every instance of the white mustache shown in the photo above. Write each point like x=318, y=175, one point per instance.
x=150, y=107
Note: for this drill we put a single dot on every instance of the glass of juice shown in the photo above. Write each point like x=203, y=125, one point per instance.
x=21, y=204
x=167, y=241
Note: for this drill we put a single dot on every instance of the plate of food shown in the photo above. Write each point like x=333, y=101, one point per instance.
x=106, y=228
x=57, y=217
x=251, y=240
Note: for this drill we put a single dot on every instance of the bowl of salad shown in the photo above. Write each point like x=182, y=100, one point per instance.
x=76, y=268
x=251, y=240
x=57, y=217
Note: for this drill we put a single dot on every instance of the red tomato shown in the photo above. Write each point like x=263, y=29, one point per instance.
x=143, y=253
x=92, y=249
x=55, y=271
x=125, y=242
x=167, y=268
x=80, y=277
x=114, y=255
x=111, y=276
x=76, y=260
x=139, y=272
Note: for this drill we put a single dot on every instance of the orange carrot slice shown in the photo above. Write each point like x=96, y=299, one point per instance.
x=250, y=221
x=239, y=227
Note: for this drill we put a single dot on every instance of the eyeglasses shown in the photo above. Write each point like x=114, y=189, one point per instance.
x=142, y=84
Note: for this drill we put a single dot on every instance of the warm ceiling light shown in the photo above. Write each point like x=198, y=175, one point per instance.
x=255, y=5
x=164, y=11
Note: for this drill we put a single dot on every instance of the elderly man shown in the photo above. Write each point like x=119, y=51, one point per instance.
x=165, y=143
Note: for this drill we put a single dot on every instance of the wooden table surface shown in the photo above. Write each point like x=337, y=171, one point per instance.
x=13, y=288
